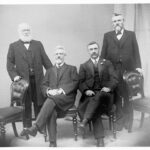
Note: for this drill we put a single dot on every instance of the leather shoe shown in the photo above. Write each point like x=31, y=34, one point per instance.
x=32, y=130
x=100, y=142
x=52, y=144
x=23, y=132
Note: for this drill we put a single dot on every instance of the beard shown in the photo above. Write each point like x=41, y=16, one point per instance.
x=118, y=28
x=25, y=38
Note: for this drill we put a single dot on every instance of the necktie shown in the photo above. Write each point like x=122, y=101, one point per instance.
x=27, y=42
x=95, y=63
x=118, y=33
x=58, y=72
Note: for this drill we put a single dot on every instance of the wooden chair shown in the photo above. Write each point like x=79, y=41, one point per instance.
x=15, y=111
x=138, y=101
x=72, y=112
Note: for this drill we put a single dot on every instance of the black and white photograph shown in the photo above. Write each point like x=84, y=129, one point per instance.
x=75, y=74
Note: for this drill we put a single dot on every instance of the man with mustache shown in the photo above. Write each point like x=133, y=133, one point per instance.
x=59, y=88
x=121, y=48
x=97, y=81
x=25, y=60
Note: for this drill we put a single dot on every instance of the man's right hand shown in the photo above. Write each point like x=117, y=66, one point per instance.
x=17, y=78
x=89, y=93
x=52, y=92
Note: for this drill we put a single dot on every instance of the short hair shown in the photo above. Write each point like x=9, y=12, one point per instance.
x=117, y=14
x=60, y=47
x=93, y=42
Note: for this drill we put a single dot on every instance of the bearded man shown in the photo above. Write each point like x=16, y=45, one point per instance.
x=59, y=87
x=121, y=48
x=26, y=59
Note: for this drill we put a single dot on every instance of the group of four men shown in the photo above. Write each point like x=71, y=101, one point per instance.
x=98, y=79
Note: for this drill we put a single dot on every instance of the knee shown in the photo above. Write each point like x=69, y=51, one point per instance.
x=49, y=102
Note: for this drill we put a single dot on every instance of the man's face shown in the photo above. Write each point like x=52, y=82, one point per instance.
x=93, y=51
x=59, y=56
x=118, y=22
x=25, y=32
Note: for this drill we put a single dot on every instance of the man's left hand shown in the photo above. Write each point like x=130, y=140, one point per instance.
x=139, y=70
x=105, y=89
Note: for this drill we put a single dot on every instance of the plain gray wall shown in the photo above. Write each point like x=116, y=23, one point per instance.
x=73, y=26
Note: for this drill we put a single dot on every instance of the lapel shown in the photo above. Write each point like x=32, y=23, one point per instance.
x=54, y=69
x=23, y=49
x=123, y=38
x=100, y=67
x=62, y=70
x=113, y=34
x=90, y=66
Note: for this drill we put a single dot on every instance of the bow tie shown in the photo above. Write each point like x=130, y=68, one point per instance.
x=26, y=42
x=118, y=33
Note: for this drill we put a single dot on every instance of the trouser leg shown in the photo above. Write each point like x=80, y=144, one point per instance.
x=27, y=119
x=46, y=111
x=98, y=129
x=52, y=126
x=34, y=96
x=94, y=103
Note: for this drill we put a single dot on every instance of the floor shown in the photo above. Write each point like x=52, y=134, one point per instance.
x=139, y=137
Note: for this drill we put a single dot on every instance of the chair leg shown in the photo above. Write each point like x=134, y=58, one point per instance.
x=131, y=119
x=14, y=129
x=90, y=126
x=75, y=127
x=110, y=121
x=2, y=131
x=114, y=125
x=142, y=119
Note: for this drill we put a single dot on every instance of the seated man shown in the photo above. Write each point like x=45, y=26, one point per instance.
x=97, y=80
x=59, y=86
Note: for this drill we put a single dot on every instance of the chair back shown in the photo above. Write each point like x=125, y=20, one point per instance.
x=18, y=91
x=134, y=81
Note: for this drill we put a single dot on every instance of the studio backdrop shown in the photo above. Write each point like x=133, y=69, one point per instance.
x=73, y=26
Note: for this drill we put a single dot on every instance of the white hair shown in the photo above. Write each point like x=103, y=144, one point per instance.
x=61, y=48
x=21, y=27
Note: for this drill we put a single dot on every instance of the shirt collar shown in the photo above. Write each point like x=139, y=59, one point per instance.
x=122, y=31
x=93, y=60
x=59, y=65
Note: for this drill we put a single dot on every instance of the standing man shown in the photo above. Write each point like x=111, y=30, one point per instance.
x=25, y=59
x=59, y=87
x=97, y=81
x=121, y=48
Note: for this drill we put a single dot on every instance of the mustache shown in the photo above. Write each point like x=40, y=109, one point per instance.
x=94, y=53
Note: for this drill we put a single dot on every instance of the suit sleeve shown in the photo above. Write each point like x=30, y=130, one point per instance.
x=136, y=52
x=45, y=59
x=72, y=86
x=82, y=79
x=113, y=79
x=11, y=67
x=45, y=83
x=104, y=48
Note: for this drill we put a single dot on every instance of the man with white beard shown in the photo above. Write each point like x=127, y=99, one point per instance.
x=25, y=60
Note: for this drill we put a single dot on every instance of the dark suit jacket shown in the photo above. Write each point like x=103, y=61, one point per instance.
x=108, y=77
x=17, y=63
x=67, y=80
x=126, y=51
